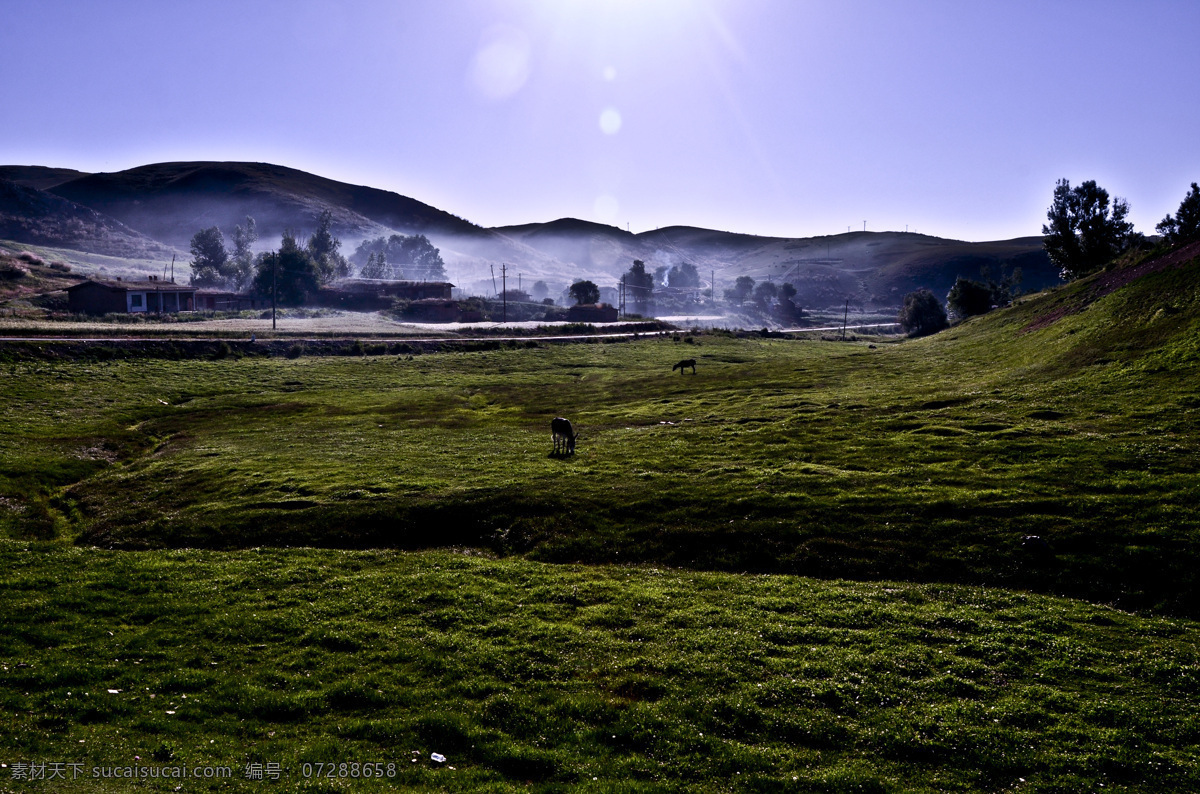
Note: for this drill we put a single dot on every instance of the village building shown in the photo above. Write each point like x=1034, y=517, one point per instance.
x=105, y=296
x=434, y=310
x=209, y=300
x=369, y=294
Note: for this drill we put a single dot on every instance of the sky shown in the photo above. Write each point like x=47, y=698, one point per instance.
x=790, y=118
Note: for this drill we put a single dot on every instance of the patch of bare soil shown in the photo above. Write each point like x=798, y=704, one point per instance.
x=1110, y=281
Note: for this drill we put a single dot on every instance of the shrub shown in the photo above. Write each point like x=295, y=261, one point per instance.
x=968, y=298
x=922, y=314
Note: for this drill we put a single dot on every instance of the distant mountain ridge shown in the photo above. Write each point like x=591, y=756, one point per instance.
x=170, y=202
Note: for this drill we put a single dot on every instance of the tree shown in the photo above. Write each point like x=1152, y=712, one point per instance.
x=424, y=260
x=639, y=287
x=209, y=258
x=1083, y=233
x=921, y=314
x=323, y=247
x=683, y=276
x=1185, y=226
x=372, y=268
x=585, y=292
x=968, y=298
x=741, y=290
x=295, y=272
x=401, y=256
x=788, y=310
x=541, y=290
x=241, y=265
x=1005, y=290
x=764, y=294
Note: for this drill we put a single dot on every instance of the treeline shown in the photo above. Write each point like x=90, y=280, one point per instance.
x=298, y=269
x=1086, y=230
x=679, y=288
x=400, y=257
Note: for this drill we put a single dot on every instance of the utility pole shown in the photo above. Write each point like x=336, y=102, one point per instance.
x=172, y=268
x=845, y=317
x=504, y=294
x=274, y=286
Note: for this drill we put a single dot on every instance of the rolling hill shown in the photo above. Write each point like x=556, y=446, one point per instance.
x=33, y=216
x=169, y=202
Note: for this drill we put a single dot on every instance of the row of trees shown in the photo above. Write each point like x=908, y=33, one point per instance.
x=400, y=257
x=214, y=266
x=299, y=269
x=767, y=298
x=318, y=262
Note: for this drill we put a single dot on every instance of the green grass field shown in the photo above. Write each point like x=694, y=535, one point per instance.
x=277, y=525
x=597, y=678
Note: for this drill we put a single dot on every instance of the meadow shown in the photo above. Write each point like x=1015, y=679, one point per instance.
x=357, y=558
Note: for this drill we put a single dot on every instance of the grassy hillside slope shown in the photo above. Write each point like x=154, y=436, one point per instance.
x=927, y=459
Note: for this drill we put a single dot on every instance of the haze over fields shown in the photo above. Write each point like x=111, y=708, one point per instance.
x=152, y=211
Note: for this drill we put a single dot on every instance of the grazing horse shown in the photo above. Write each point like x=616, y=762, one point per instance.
x=564, y=436
x=682, y=365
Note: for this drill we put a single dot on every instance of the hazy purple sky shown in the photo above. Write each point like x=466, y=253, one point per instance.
x=786, y=117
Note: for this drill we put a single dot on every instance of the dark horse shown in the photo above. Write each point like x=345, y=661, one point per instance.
x=564, y=436
x=682, y=365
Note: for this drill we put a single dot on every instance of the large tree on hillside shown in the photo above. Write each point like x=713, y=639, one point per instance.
x=1083, y=232
x=1185, y=226
x=209, y=258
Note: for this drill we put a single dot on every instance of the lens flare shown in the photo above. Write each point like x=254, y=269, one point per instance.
x=502, y=63
x=610, y=121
